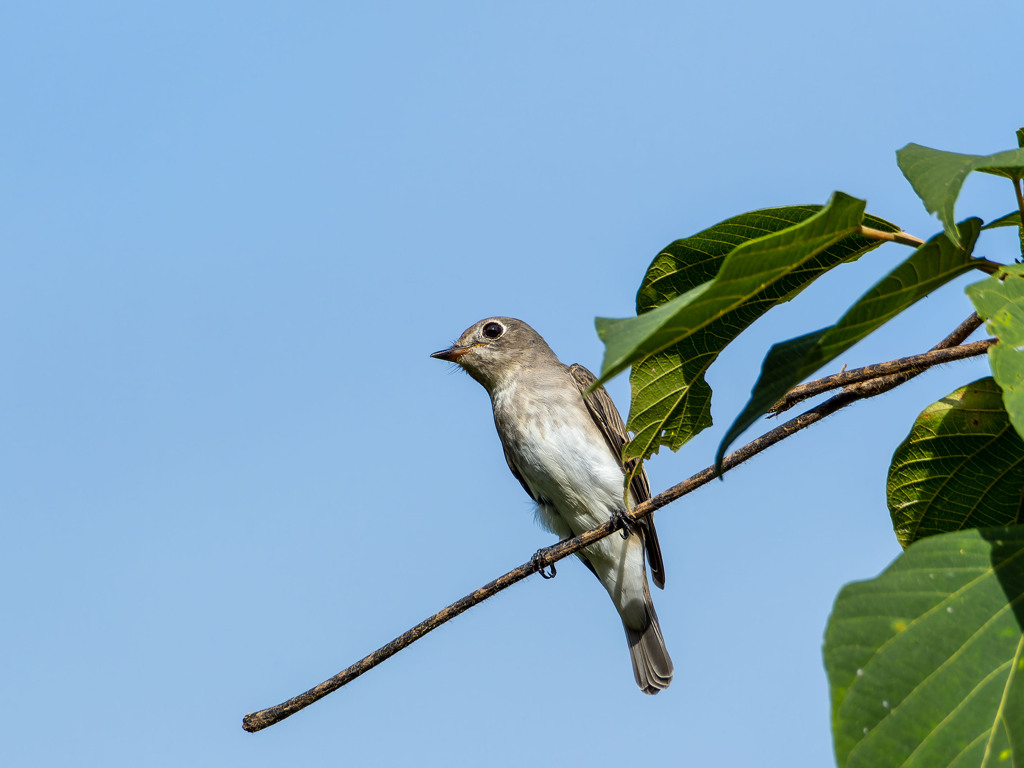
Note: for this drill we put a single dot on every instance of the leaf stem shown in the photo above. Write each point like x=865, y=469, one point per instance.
x=904, y=238
x=257, y=721
x=987, y=266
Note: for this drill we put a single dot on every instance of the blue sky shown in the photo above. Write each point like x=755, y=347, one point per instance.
x=232, y=234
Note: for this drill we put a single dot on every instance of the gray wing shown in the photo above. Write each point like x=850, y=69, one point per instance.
x=519, y=477
x=608, y=420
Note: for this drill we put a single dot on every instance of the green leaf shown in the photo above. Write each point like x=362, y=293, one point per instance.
x=671, y=400
x=684, y=264
x=744, y=274
x=937, y=176
x=1011, y=219
x=932, y=265
x=926, y=661
x=1000, y=300
x=962, y=466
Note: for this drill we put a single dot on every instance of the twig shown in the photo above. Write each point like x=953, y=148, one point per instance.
x=904, y=238
x=816, y=387
x=914, y=364
x=257, y=721
x=970, y=324
x=885, y=383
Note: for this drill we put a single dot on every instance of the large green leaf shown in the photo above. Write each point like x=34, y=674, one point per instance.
x=937, y=176
x=1000, y=300
x=671, y=401
x=962, y=466
x=932, y=265
x=721, y=280
x=926, y=661
x=686, y=263
x=744, y=274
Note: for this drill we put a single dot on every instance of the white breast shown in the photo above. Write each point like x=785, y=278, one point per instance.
x=559, y=451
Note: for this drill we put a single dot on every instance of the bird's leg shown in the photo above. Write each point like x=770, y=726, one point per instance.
x=538, y=556
x=627, y=522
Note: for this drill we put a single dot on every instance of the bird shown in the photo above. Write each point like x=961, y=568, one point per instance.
x=563, y=442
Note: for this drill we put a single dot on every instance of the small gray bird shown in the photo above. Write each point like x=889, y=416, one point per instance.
x=564, y=447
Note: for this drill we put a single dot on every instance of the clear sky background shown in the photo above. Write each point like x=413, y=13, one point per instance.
x=233, y=232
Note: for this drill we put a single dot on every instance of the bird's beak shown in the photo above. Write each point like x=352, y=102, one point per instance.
x=453, y=353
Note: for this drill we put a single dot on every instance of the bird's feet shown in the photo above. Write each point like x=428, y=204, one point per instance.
x=543, y=569
x=626, y=521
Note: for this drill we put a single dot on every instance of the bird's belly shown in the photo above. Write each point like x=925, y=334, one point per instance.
x=578, y=483
x=570, y=471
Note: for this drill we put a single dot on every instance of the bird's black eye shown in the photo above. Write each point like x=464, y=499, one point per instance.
x=493, y=330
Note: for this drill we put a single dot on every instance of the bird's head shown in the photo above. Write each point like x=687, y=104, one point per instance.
x=494, y=348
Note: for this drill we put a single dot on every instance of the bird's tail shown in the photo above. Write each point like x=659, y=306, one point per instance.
x=652, y=666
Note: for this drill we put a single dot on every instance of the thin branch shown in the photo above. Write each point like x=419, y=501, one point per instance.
x=959, y=334
x=885, y=377
x=914, y=364
x=904, y=238
x=882, y=384
x=257, y=721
